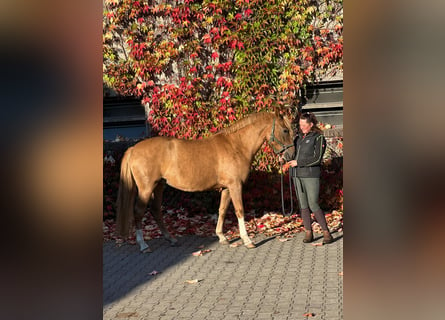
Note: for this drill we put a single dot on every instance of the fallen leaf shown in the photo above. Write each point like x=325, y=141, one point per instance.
x=283, y=239
x=192, y=281
x=200, y=252
x=309, y=314
x=154, y=272
x=318, y=244
x=126, y=314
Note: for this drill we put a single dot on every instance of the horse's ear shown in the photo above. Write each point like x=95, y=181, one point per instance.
x=278, y=112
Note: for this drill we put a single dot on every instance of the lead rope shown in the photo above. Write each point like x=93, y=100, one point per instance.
x=282, y=193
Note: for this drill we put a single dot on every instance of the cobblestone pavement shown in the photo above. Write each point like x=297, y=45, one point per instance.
x=276, y=280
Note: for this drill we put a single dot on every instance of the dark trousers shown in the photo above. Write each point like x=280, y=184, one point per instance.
x=308, y=190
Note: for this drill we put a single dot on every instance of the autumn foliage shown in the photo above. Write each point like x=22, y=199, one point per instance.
x=197, y=66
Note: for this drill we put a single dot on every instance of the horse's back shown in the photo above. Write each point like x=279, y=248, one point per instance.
x=189, y=165
x=151, y=148
x=176, y=149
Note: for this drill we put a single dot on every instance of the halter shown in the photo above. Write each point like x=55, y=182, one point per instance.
x=284, y=147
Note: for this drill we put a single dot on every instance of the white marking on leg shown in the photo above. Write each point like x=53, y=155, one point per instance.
x=140, y=240
x=243, y=232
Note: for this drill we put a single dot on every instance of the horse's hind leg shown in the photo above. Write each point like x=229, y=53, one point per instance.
x=144, y=195
x=224, y=204
x=157, y=214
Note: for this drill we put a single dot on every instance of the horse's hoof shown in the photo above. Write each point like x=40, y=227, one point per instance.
x=250, y=246
x=146, y=250
x=174, y=243
x=224, y=242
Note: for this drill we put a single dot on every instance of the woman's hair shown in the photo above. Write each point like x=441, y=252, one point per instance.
x=311, y=118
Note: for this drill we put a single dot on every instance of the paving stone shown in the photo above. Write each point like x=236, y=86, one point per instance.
x=277, y=280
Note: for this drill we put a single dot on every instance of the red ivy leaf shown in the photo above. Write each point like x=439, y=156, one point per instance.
x=309, y=314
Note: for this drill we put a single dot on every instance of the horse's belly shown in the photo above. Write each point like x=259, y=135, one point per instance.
x=187, y=181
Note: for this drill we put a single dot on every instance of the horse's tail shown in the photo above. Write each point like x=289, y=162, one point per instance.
x=126, y=196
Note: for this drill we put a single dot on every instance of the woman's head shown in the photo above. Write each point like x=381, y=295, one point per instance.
x=308, y=122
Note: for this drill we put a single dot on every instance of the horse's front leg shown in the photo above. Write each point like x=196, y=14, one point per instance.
x=237, y=200
x=223, y=206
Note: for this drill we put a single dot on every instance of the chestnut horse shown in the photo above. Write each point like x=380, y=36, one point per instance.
x=221, y=161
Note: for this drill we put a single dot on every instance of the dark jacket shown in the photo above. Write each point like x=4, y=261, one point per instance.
x=309, y=150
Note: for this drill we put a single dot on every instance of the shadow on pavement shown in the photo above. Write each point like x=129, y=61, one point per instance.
x=260, y=243
x=118, y=282
x=335, y=238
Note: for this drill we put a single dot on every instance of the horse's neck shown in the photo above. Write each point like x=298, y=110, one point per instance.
x=251, y=138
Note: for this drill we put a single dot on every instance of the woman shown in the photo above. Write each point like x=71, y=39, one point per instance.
x=305, y=170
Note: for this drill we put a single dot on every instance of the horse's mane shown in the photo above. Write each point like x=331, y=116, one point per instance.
x=244, y=122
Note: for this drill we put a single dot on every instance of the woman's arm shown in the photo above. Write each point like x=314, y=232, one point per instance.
x=315, y=160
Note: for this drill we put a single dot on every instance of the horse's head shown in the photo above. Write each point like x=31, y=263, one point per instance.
x=281, y=136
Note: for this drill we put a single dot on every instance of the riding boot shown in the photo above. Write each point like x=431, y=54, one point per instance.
x=306, y=216
x=319, y=216
x=308, y=237
x=327, y=238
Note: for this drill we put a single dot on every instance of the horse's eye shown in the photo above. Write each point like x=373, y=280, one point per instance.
x=286, y=131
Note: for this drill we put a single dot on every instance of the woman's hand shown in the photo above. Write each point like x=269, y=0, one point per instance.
x=293, y=163
x=282, y=160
